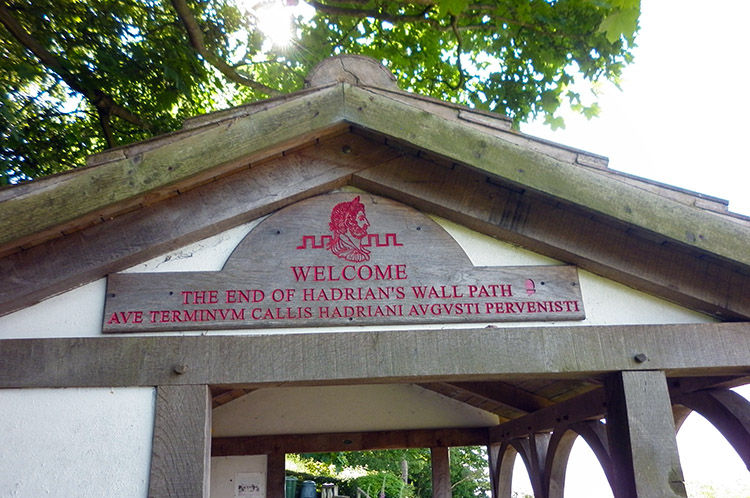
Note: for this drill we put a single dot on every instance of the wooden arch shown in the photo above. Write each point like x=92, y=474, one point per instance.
x=594, y=432
x=727, y=411
x=545, y=456
x=502, y=457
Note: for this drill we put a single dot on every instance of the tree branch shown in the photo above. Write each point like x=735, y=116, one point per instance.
x=198, y=43
x=335, y=10
x=104, y=121
x=477, y=8
x=459, y=49
x=82, y=83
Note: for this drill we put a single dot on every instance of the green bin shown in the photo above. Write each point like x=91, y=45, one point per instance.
x=291, y=487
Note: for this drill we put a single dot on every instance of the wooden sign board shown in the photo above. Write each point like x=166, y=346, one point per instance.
x=342, y=259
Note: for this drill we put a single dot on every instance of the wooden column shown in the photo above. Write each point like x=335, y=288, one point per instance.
x=441, y=472
x=641, y=434
x=181, y=451
x=275, y=475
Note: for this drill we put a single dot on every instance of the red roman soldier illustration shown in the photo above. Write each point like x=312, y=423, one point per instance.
x=349, y=225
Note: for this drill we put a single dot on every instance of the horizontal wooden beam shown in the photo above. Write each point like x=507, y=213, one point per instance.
x=587, y=406
x=602, y=245
x=347, y=441
x=413, y=356
x=113, y=245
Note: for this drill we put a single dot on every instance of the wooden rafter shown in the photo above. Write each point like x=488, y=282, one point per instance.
x=500, y=398
x=223, y=396
x=113, y=245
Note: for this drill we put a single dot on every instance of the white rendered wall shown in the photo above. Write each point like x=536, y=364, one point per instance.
x=78, y=313
x=321, y=409
x=75, y=442
x=227, y=473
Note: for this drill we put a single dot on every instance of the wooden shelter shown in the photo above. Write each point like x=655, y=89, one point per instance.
x=662, y=277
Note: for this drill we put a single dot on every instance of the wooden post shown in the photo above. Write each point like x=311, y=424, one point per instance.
x=275, y=475
x=441, y=472
x=181, y=451
x=641, y=434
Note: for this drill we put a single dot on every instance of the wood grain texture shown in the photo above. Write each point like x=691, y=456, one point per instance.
x=65, y=263
x=589, y=406
x=414, y=356
x=406, y=269
x=275, y=474
x=641, y=435
x=441, y=472
x=180, y=458
x=625, y=253
x=59, y=201
x=597, y=192
x=347, y=441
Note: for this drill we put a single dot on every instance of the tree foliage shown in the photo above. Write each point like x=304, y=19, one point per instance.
x=468, y=467
x=83, y=75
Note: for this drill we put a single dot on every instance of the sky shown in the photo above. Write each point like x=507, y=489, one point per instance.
x=680, y=118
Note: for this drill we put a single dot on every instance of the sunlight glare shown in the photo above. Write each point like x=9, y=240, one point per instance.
x=275, y=22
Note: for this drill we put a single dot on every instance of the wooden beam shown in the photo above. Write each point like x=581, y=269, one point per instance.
x=227, y=395
x=603, y=245
x=61, y=203
x=502, y=410
x=641, y=434
x=348, y=441
x=600, y=193
x=591, y=405
x=454, y=355
x=275, y=475
x=505, y=393
x=441, y=472
x=180, y=461
x=81, y=257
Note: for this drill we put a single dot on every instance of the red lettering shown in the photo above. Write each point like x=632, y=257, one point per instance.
x=126, y=317
x=300, y=272
x=364, y=269
x=244, y=296
x=383, y=274
x=400, y=272
x=200, y=297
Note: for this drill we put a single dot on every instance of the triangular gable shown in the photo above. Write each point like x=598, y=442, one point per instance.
x=461, y=164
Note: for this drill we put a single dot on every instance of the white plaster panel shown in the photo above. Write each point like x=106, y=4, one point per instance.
x=78, y=313
x=309, y=410
x=225, y=472
x=75, y=442
x=606, y=302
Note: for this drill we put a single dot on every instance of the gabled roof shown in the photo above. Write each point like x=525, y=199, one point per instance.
x=468, y=165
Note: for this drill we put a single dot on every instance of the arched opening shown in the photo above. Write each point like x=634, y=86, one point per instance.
x=584, y=475
x=520, y=482
x=710, y=464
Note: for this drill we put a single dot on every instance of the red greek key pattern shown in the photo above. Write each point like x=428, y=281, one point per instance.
x=324, y=240
x=321, y=241
x=390, y=240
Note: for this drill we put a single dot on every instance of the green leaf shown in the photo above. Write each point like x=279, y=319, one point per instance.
x=452, y=7
x=621, y=22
